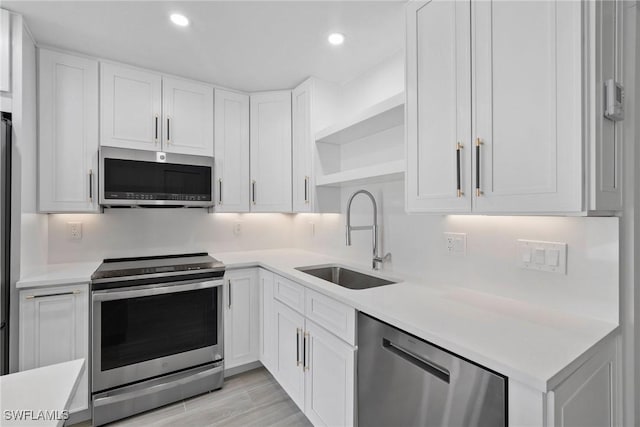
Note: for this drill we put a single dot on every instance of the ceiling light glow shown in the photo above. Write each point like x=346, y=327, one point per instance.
x=179, y=19
x=336, y=39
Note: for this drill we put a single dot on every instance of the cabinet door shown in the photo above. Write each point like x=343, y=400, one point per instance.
x=68, y=133
x=188, y=117
x=5, y=51
x=241, y=318
x=130, y=108
x=302, y=147
x=438, y=107
x=289, y=329
x=329, y=380
x=231, y=151
x=271, y=152
x=527, y=106
x=54, y=328
x=267, y=320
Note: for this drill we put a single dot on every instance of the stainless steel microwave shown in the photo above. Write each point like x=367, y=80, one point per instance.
x=141, y=178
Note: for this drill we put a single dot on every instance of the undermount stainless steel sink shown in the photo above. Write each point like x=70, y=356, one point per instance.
x=344, y=277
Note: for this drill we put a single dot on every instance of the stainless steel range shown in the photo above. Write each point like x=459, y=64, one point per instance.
x=157, y=332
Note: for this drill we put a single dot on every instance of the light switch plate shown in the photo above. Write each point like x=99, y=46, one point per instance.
x=456, y=243
x=542, y=256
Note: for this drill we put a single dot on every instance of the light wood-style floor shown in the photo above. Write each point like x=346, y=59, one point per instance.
x=252, y=398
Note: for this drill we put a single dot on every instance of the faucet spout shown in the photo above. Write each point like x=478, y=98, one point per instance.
x=376, y=259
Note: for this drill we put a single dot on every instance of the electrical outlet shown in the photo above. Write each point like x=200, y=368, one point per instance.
x=456, y=243
x=237, y=228
x=542, y=256
x=74, y=230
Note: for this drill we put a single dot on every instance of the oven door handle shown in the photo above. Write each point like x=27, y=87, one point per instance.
x=111, y=295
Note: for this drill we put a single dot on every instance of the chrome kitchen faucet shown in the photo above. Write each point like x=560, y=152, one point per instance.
x=377, y=260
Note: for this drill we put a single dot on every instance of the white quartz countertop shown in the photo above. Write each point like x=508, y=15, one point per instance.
x=39, y=396
x=530, y=344
x=535, y=346
x=59, y=274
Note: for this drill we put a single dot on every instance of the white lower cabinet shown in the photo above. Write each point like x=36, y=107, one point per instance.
x=329, y=390
x=241, y=320
x=267, y=319
x=314, y=364
x=54, y=328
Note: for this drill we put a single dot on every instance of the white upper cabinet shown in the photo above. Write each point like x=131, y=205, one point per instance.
x=271, y=152
x=68, y=133
x=5, y=51
x=145, y=111
x=130, y=108
x=231, y=151
x=188, y=117
x=527, y=109
x=504, y=104
x=302, y=167
x=439, y=107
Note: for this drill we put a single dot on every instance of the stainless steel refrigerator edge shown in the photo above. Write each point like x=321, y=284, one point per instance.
x=5, y=237
x=404, y=381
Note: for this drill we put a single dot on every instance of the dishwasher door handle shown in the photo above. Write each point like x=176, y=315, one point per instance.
x=422, y=363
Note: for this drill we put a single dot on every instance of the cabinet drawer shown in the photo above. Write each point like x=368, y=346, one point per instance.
x=337, y=318
x=289, y=293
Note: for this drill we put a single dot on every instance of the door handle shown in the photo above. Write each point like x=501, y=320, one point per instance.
x=155, y=138
x=306, y=189
x=478, y=144
x=253, y=191
x=229, y=294
x=298, y=346
x=168, y=130
x=91, y=185
x=459, y=192
x=419, y=361
x=305, y=352
x=219, y=191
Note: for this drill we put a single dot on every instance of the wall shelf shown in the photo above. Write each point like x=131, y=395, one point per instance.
x=366, y=175
x=381, y=116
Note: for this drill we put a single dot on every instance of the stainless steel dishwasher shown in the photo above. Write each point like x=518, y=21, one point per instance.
x=406, y=382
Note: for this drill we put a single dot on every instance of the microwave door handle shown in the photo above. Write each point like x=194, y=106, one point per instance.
x=112, y=295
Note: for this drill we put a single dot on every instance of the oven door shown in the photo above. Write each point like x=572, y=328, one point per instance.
x=142, y=332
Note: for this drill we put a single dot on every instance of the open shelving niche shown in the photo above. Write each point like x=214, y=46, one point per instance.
x=368, y=147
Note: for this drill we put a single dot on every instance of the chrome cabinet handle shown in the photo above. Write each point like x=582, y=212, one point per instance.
x=478, y=143
x=91, y=185
x=422, y=363
x=229, y=295
x=168, y=130
x=459, y=192
x=219, y=191
x=298, y=346
x=155, y=138
x=253, y=192
x=306, y=189
x=305, y=352
x=77, y=291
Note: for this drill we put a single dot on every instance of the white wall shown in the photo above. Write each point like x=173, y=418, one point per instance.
x=137, y=232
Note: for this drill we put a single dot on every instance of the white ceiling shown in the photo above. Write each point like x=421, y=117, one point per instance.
x=246, y=45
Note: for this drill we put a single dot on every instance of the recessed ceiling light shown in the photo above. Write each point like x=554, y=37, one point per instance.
x=179, y=19
x=336, y=39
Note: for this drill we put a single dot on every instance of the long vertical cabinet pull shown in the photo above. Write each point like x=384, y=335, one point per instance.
x=478, y=144
x=298, y=330
x=168, y=130
x=219, y=191
x=155, y=138
x=459, y=192
x=91, y=185
x=253, y=192
x=306, y=189
x=229, y=294
x=305, y=352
